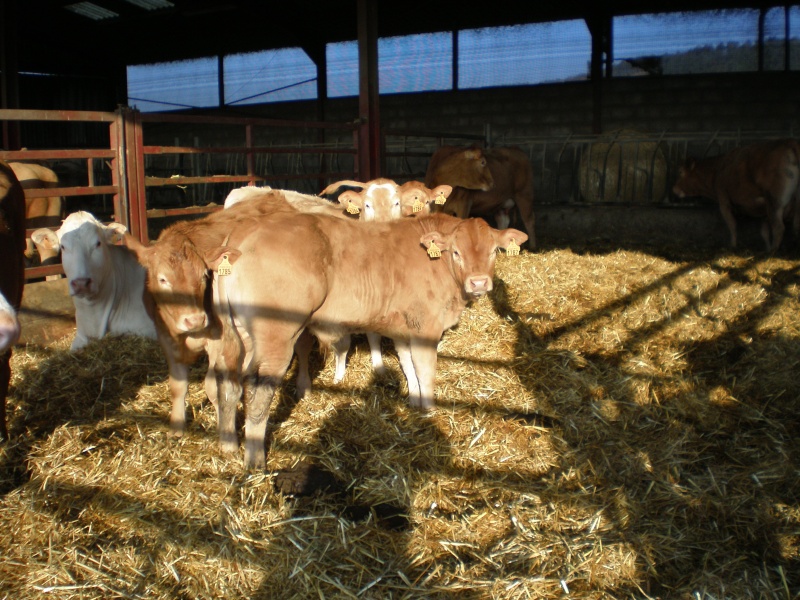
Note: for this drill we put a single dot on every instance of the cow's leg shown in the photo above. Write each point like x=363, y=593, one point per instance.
x=275, y=355
x=776, y=227
x=5, y=377
x=727, y=216
x=178, y=388
x=340, y=349
x=404, y=356
x=423, y=355
x=374, y=340
x=302, y=348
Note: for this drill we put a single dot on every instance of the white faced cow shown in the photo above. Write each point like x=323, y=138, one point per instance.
x=106, y=281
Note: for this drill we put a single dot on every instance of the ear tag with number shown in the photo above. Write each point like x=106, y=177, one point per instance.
x=512, y=249
x=352, y=208
x=433, y=250
x=225, y=267
x=441, y=199
x=418, y=205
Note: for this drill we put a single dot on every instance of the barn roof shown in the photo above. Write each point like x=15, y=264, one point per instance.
x=83, y=36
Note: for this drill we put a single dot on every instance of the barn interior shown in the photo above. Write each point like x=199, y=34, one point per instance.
x=616, y=420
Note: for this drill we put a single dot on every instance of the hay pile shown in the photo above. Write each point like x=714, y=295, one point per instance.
x=610, y=424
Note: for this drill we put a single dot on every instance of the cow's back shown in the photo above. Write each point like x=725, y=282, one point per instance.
x=749, y=174
x=383, y=279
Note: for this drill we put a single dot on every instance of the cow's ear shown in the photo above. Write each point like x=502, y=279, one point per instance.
x=114, y=232
x=135, y=246
x=216, y=256
x=47, y=238
x=334, y=187
x=442, y=190
x=352, y=201
x=473, y=153
x=434, y=240
x=505, y=238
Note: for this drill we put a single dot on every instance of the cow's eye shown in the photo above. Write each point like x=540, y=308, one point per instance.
x=163, y=281
x=97, y=245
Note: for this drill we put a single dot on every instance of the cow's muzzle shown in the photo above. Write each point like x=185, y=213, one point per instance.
x=9, y=330
x=80, y=286
x=192, y=322
x=478, y=285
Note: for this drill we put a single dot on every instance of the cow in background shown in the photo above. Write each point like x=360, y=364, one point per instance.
x=486, y=183
x=105, y=280
x=759, y=179
x=40, y=212
x=12, y=275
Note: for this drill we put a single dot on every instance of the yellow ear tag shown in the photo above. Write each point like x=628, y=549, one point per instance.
x=433, y=250
x=441, y=199
x=512, y=249
x=225, y=267
x=418, y=205
x=352, y=208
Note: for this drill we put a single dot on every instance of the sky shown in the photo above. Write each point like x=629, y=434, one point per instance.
x=504, y=56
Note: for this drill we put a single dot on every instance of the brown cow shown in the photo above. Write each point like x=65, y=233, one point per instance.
x=40, y=212
x=12, y=275
x=343, y=278
x=376, y=200
x=179, y=267
x=759, y=179
x=486, y=183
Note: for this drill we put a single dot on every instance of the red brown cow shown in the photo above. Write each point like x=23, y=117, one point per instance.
x=759, y=179
x=344, y=277
x=486, y=183
x=179, y=270
x=12, y=275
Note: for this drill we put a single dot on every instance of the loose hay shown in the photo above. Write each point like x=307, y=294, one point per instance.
x=608, y=424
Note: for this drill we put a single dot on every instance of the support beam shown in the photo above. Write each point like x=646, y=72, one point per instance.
x=369, y=153
x=9, y=72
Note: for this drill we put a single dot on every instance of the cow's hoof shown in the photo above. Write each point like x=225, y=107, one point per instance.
x=228, y=444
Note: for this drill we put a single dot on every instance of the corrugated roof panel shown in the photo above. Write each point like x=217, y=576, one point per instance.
x=151, y=4
x=91, y=11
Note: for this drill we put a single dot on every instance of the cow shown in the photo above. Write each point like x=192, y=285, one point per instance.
x=486, y=183
x=12, y=276
x=759, y=179
x=182, y=285
x=408, y=279
x=40, y=213
x=105, y=280
x=376, y=200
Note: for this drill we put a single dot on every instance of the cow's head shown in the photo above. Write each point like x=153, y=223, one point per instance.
x=467, y=169
x=688, y=182
x=416, y=199
x=379, y=200
x=178, y=280
x=85, y=256
x=471, y=247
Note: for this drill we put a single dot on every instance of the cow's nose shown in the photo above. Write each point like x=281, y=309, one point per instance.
x=9, y=330
x=80, y=285
x=194, y=322
x=479, y=285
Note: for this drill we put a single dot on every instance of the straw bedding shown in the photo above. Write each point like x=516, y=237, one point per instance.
x=609, y=424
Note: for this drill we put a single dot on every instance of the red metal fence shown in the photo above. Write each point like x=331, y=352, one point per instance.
x=126, y=151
